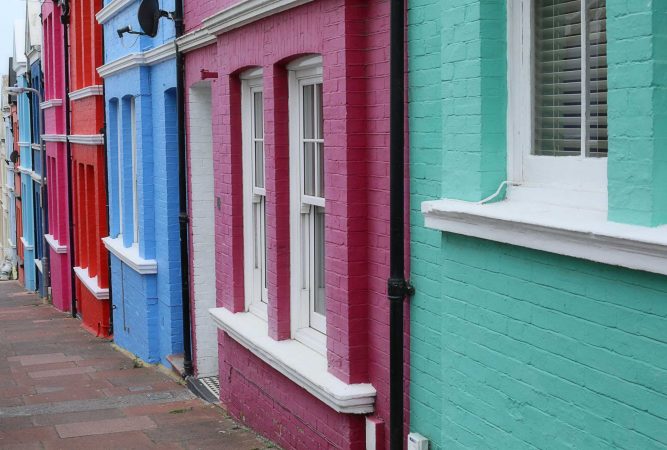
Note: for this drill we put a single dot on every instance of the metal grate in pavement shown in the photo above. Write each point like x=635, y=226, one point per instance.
x=212, y=384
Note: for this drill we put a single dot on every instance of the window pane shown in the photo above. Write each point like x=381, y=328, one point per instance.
x=259, y=164
x=320, y=114
x=308, y=111
x=557, y=77
x=320, y=300
x=309, y=168
x=597, y=77
x=320, y=165
x=258, y=108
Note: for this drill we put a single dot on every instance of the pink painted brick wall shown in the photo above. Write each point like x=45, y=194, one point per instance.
x=53, y=65
x=352, y=36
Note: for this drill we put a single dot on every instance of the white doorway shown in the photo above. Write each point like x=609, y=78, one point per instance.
x=203, y=229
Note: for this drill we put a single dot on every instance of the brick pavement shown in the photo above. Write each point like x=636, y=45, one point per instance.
x=61, y=388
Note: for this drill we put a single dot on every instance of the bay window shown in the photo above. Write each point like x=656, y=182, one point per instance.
x=254, y=192
x=307, y=203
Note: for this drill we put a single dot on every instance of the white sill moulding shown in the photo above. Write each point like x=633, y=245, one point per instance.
x=296, y=361
x=91, y=283
x=54, y=244
x=130, y=255
x=580, y=233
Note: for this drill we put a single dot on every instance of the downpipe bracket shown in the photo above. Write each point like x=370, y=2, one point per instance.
x=399, y=288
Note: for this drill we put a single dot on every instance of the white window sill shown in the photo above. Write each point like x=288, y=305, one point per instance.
x=54, y=244
x=296, y=361
x=26, y=246
x=581, y=233
x=91, y=284
x=130, y=255
x=38, y=264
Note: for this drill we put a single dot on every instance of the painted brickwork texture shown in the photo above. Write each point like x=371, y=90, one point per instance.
x=513, y=348
x=57, y=162
x=637, y=169
x=148, y=311
x=88, y=166
x=352, y=37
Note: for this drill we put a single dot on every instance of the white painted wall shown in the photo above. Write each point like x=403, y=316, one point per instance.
x=203, y=233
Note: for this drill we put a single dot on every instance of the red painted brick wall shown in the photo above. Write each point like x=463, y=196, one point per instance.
x=352, y=37
x=85, y=37
x=88, y=164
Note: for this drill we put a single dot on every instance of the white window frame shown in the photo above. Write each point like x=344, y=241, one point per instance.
x=577, y=181
x=306, y=327
x=256, y=294
x=135, y=190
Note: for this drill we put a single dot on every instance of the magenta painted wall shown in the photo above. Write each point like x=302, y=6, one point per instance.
x=53, y=66
x=352, y=37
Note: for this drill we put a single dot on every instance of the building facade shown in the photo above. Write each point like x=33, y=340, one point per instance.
x=34, y=56
x=54, y=108
x=6, y=174
x=289, y=106
x=142, y=134
x=88, y=179
x=27, y=229
x=538, y=213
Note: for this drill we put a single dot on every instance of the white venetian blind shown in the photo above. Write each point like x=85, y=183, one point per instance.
x=570, y=77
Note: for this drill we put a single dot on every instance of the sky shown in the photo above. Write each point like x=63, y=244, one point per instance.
x=10, y=10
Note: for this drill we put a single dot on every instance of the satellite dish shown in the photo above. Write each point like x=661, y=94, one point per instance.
x=149, y=16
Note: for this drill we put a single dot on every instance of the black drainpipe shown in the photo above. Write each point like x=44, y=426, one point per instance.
x=398, y=288
x=106, y=190
x=64, y=19
x=183, y=195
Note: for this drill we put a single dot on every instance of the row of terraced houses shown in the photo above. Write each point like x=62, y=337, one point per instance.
x=357, y=224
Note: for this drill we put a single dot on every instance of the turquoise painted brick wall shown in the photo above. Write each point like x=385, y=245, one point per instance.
x=637, y=67
x=514, y=348
x=473, y=96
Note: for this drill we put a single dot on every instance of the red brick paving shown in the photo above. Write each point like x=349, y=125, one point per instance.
x=61, y=388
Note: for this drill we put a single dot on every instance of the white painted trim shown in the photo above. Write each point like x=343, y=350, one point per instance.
x=35, y=176
x=304, y=366
x=235, y=16
x=130, y=255
x=306, y=63
x=251, y=83
x=91, y=283
x=306, y=327
x=54, y=244
x=38, y=264
x=554, y=229
x=147, y=58
x=89, y=91
x=87, y=139
x=111, y=9
x=54, y=137
x=51, y=103
x=25, y=144
x=26, y=246
x=25, y=170
x=34, y=54
x=246, y=12
x=576, y=173
x=36, y=146
x=195, y=39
